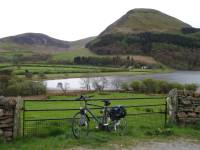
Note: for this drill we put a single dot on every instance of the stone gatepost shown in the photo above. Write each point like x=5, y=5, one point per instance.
x=7, y=113
x=184, y=107
x=172, y=105
x=17, y=117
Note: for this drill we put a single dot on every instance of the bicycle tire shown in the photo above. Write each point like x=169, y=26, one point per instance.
x=80, y=125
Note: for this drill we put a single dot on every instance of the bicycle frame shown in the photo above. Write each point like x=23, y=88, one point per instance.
x=86, y=109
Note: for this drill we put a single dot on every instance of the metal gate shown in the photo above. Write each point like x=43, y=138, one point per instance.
x=50, y=117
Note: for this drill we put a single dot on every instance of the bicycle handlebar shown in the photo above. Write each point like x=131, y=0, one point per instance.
x=84, y=97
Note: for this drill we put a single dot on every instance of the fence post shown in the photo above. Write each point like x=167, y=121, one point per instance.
x=165, y=114
x=17, y=117
x=23, y=109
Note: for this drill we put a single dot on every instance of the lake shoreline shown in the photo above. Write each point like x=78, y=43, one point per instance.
x=184, y=77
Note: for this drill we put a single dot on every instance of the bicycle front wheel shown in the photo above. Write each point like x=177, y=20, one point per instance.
x=80, y=125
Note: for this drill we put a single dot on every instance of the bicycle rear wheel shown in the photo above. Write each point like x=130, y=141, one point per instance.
x=80, y=125
x=120, y=125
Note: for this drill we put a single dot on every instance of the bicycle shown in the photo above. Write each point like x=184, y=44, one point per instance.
x=112, y=119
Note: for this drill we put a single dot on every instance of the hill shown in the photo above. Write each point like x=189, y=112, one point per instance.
x=33, y=41
x=145, y=20
x=151, y=33
x=38, y=42
x=80, y=44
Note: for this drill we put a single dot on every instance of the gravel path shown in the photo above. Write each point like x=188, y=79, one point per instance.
x=179, y=144
x=170, y=145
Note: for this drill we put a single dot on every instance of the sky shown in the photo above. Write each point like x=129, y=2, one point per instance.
x=76, y=19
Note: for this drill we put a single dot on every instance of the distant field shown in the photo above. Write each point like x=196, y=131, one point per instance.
x=69, y=55
x=67, y=71
x=9, y=54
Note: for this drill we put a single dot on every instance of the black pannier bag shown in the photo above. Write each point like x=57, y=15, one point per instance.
x=117, y=112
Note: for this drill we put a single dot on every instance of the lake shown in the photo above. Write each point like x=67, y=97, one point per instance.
x=178, y=76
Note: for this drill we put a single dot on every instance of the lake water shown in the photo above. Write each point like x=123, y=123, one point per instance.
x=178, y=76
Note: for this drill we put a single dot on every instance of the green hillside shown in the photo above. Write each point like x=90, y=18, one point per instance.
x=151, y=33
x=145, y=20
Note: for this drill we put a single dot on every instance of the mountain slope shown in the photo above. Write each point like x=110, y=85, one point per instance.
x=152, y=33
x=38, y=42
x=79, y=44
x=145, y=20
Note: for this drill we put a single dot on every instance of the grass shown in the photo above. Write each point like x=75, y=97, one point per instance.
x=9, y=54
x=147, y=20
x=67, y=71
x=76, y=104
x=69, y=55
x=140, y=128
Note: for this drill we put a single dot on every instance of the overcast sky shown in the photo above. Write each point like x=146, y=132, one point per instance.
x=76, y=19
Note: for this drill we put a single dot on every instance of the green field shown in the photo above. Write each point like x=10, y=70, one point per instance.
x=67, y=71
x=57, y=135
x=69, y=55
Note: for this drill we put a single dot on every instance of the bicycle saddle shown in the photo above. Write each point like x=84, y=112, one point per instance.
x=106, y=102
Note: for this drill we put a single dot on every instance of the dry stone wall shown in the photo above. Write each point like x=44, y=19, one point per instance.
x=185, y=107
x=7, y=115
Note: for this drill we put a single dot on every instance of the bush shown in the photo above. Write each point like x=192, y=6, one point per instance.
x=24, y=88
x=135, y=85
x=192, y=87
x=28, y=74
x=156, y=86
x=125, y=86
x=163, y=86
x=176, y=85
x=42, y=75
x=138, y=86
x=151, y=85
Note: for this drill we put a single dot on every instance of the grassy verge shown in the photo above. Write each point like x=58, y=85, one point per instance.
x=140, y=128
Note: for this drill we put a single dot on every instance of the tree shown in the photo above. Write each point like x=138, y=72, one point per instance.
x=64, y=87
x=99, y=83
x=86, y=82
x=28, y=74
x=17, y=58
x=116, y=84
x=5, y=77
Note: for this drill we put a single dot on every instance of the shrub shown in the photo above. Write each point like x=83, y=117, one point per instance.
x=163, y=86
x=176, y=85
x=24, y=88
x=42, y=75
x=28, y=74
x=192, y=87
x=5, y=76
x=151, y=85
x=136, y=85
x=156, y=86
x=125, y=86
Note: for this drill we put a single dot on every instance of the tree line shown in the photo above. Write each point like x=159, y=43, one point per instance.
x=106, y=61
x=120, y=43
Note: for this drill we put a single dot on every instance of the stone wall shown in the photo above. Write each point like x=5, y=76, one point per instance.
x=184, y=107
x=7, y=115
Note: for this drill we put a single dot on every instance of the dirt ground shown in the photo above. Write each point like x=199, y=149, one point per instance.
x=179, y=144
